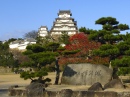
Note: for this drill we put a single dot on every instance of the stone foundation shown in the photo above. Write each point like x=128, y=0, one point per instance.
x=5, y=70
x=70, y=93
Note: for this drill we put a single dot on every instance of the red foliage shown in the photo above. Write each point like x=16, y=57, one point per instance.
x=80, y=42
x=74, y=60
x=99, y=60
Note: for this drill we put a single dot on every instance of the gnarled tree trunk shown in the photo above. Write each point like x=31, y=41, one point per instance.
x=57, y=71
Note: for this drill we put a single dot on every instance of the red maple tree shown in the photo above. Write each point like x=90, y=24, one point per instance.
x=80, y=42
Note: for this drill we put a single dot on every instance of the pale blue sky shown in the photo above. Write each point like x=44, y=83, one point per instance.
x=18, y=17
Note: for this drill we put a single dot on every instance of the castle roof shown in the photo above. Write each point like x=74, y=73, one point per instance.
x=43, y=27
x=64, y=11
x=64, y=18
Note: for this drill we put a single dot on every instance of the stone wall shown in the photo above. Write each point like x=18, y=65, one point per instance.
x=5, y=70
x=70, y=93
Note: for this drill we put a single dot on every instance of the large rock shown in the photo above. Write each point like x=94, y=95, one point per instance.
x=96, y=87
x=35, y=90
x=65, y=93
x=115, y=83
x=86, y=74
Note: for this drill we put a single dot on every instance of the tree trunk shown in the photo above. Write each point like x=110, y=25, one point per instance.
x=57, y=71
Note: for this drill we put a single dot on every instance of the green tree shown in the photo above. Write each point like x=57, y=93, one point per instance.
x=110, y=32
x=11, y=40
x=83, y=29
x=52, y=46
x=110, y=37
x=6, y=57
x=40, y=58
x=123, y=62
x=22, y=59
x=44, y=40
x=64, y=39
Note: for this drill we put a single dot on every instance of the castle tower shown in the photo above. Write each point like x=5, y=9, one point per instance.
x=43, y=31
x=64, y=23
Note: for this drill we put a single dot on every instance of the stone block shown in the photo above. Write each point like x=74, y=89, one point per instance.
x=86, y=74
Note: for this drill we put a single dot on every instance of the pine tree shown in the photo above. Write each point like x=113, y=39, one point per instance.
x=114, y=44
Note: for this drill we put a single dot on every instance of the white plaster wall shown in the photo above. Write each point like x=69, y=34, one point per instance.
x=42, y=34
x=71, y=24
x=22, y=47
x=64, y=24
x=70, y=33
x=64, y=20
x=33, y=42
x=66, y=28
x=70, y=21
x=12, y=46
x=72, y=28
x=55, y=29
x=64, y=15
x=56, y=33
x=45, y=32
x=58, y=24
x=26, y=42
x=43, y=29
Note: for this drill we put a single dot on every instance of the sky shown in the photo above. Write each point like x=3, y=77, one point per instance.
x=18, y=17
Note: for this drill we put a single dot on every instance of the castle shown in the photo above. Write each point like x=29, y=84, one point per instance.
x=64, y=23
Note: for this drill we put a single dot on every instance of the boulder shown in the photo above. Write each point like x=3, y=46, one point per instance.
x=51, y=94
x=96, y=87
x=110, y=94
x=86, y=74
x=115, y=83
x=12, y=92
x=35, y=89
x=65, y=93
x=82, y=94
x=13, y=86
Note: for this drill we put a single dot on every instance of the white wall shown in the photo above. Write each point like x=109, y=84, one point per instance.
x=21, y=46
x=43, y=29
x=64, y=24
x=71, y=33
x=64, y=16
x=12, y=46
x=43, y=33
